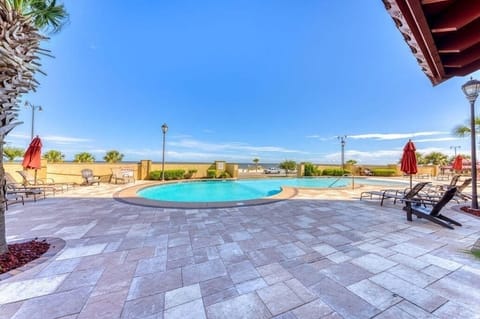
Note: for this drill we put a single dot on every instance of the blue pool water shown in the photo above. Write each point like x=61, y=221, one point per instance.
x=239, y=190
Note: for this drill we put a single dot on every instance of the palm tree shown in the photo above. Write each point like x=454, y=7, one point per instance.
x=113, y=157
x=54, y=156
x=464, y=130
x=11, y=153
x=436, y=158
x=24, y=25
x=256, y=160
x=84, y=157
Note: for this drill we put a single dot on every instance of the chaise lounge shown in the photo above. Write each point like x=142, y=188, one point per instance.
x=395, y=194
x=433, y=214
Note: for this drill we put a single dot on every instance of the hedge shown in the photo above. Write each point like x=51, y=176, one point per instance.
x=384, y=172
x=334, y=172
x=311, y=170
x=169, y=174
x=212, y=173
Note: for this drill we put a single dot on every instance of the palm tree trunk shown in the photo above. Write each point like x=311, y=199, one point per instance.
x=3, y=235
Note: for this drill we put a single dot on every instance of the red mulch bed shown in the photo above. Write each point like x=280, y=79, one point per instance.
x=20, y=254
x=473, y=211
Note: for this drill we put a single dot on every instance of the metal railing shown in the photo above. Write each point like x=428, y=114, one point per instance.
x=341, y=178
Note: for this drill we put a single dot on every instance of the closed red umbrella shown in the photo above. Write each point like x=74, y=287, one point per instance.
x=409, y=160
x=458, y=163
x=33, y=156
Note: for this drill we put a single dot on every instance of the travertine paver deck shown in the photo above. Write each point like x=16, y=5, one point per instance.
x=323, y=254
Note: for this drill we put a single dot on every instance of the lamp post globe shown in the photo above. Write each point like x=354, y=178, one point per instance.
x=164, y=131
x=471, y=90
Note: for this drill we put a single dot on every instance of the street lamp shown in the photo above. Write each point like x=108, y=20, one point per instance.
x=471, y=90
x=164, y=130
x=342, y=142
x=34, y=107
x=455, y=149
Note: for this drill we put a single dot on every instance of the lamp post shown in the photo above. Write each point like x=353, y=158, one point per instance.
x=471, y=90
x=164, y=130
x=455, y=149
x=33, y=107
x=342, y=142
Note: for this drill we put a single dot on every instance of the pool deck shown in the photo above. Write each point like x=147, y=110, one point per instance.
x=319, y=254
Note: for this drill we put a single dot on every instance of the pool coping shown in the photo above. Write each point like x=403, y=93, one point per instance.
x=129, y=196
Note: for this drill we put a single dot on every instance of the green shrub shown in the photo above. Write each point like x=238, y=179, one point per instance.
x=311, y=170
x=189, y=173
x=333, y=172
x=212, y=173
x=155, y=175
x=224, y=174
x=169, y=174
x=384, y=172
x=174, y=174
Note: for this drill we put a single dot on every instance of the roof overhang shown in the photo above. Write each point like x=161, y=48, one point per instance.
x=444, y=35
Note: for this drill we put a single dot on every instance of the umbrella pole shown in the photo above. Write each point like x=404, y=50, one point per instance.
x=410, y=180
x=35, y=178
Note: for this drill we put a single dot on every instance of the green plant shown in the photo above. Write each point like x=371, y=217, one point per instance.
x=475, y=253
x=384, y=172
x=54, y=156
x=172, y=174
x=256, y=160
x=84, y=157
x=311, y=170
x=224, y=174
x=333, y=172
x=212, y=173
x=189, y=173
x=288, y=165
x=113, y=157
x=155, y=175
x=11, y=153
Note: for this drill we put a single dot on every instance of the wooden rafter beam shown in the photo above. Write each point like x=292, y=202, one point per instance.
x=463, y=71
x=458, y=15
x=461, y=60
x=427, y=2
x=461, y=40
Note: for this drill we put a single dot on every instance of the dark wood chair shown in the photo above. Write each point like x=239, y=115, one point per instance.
x=418, y=209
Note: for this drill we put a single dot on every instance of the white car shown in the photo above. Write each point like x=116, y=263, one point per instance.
x=272, y=170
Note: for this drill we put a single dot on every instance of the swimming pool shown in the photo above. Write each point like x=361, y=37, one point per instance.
x=241, y=190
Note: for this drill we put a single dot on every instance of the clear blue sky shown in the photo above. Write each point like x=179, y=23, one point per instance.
x=237, y=80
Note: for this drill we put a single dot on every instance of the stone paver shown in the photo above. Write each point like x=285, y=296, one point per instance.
x=279, y=298
x=155, y=283
x=323, y=254
x=12, y=291
x=373, y=263
x=344, y=302
x=243, y=306
x=182, y=295
x=144, y=307
x=421, y=297
x=191, y=310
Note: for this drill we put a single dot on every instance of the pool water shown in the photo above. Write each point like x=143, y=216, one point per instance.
x=239, y=190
